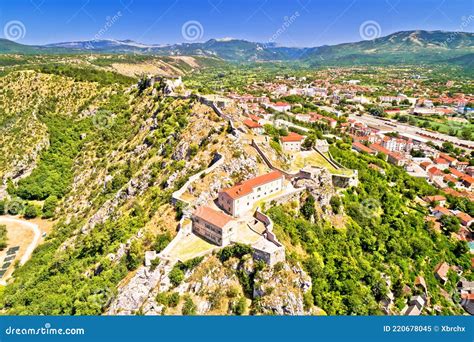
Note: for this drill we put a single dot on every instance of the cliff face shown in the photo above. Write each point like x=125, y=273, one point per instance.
x=237, y=286
x=24, y=97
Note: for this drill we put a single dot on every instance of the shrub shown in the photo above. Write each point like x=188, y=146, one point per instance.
x=31, y=211
x=134, y=255
x=161, y=241
x=237, y=250
x=3, y=236
x=176, y=276
x=189, y=308
x=173, y=299
x=239, y=307
x=49, y=206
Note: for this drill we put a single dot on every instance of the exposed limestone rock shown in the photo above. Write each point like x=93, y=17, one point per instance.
x=281, y=292
x=132, y=296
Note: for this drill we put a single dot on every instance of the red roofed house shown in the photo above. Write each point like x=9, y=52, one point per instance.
x=253, y=126
x=425, y=165
x=466, y=219
x=380, y=149
x=468, y=181
x=437, y=198
x=449, y=178
x=441, y=272
x=441, y=163
x=257, y=119
x=461, y=166
x=292, y=142
x=396, y=158
x=362, y=148
x=279, y=106
x=435, y=174
x=213, y=225
x=440, y=211
x=452, y=161
x=242, y=197
x=456, y=172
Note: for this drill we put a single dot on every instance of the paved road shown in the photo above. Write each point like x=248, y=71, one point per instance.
x=403, y=128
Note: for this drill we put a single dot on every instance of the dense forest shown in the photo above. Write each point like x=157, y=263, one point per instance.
x=386, y=236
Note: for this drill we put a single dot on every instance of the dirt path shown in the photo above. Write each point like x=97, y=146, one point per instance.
x=21, y=233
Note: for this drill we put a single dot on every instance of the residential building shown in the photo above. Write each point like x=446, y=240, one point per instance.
x=254, y=126
x=415, y=306
x=241, y=198
x=441, y=272
x=435, y=174
x=440, y=211
x=441, y=200
x=465, y=219
x=292, y=142
x=279, y=106
x=362, y=148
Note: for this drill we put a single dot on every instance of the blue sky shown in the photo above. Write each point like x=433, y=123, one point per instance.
x=309, y=22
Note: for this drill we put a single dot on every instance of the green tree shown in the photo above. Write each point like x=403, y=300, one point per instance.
x=176, y=276
x=31, y=211
x=135, y=255
x=450, y=224
x=308, y=210
x=49, y=206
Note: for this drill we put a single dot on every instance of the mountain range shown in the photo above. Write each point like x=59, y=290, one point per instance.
x=399, y=47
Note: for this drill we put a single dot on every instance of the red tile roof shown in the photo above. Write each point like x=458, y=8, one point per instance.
x=212, y=216
x=442, y=210
x=425, y=164
x=361, y=147
x=449, y=178
x=447, y=157
x=456, y=172
x=441, y=161
x=467, y=179
x=292, y=137
x=465, y=218
x=251, y=124
x=379, y=148
x=246, y=187
x=442, y=270
x=281, y=104
x=254, y=117
x=452, y=192
x=435, y=198
x=435, y=171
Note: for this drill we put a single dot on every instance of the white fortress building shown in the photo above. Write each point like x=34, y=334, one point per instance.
x=213, y=225
x=242, y=197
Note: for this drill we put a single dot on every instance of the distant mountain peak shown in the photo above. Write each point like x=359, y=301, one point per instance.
x=415, y=46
